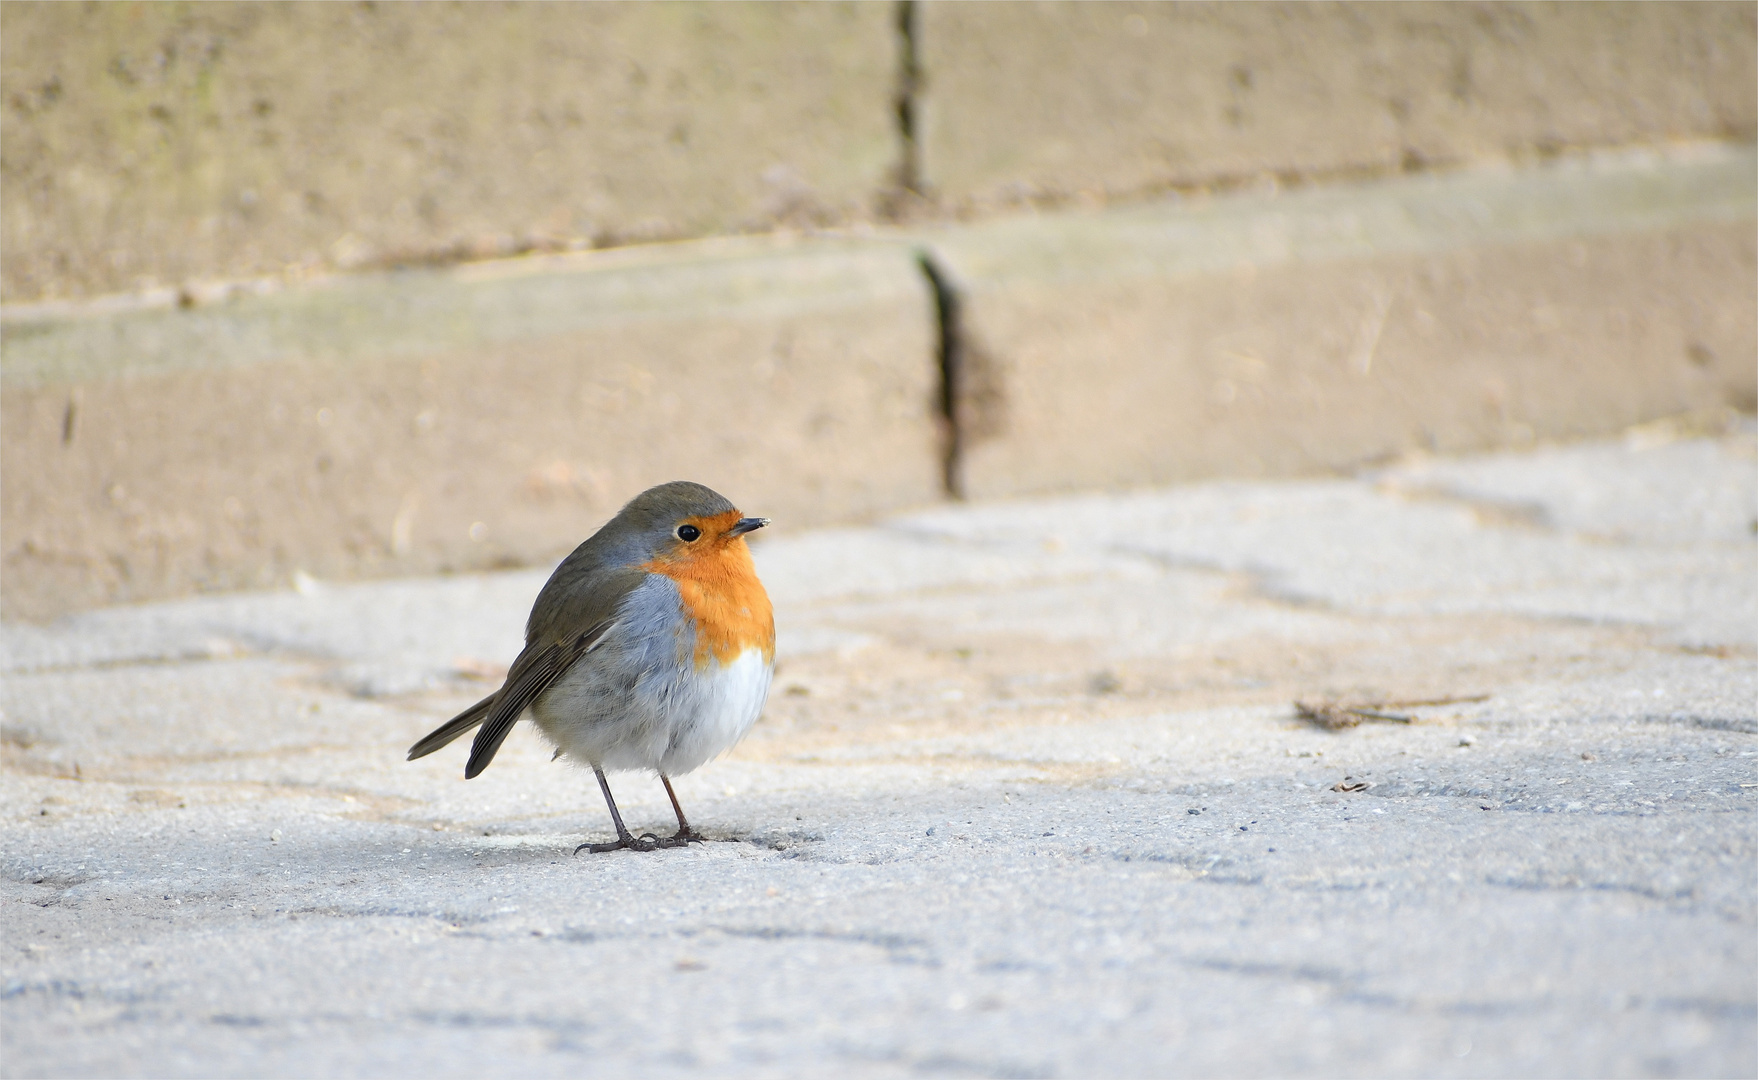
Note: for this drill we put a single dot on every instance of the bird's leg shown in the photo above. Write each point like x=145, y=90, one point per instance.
x=625, y=839
x=685, y=834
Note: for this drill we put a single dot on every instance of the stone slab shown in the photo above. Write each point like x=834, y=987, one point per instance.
x=1052, y=101
x=456, y=419
x=490, y=414
x=1029, y=800
x=1313, y=330
x=163, y=145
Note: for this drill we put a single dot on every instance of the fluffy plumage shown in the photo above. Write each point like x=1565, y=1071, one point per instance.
x=651, y=646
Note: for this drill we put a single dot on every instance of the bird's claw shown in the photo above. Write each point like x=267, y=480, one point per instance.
x=647, y=842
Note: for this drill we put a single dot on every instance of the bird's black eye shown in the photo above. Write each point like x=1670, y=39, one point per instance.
x=687, y=533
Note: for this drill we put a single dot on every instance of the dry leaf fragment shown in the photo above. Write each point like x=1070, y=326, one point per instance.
x=1337, y=715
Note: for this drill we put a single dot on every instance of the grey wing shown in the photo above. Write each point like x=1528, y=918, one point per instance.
x=537, y=667
x=452, y=728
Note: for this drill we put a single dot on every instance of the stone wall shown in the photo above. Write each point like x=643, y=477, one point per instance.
x=162, y=144
x=154, y=144
x=1024, y=102
x=353, y=290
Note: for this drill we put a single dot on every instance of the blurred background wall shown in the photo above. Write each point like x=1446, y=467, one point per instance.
x=344, y=289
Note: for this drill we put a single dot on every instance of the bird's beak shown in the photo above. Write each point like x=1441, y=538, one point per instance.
x=745, y=525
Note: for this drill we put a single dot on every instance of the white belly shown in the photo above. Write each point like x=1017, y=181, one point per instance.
x=728, y=702
x=671, y=722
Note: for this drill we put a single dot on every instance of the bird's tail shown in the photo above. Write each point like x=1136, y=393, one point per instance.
x=452, y=728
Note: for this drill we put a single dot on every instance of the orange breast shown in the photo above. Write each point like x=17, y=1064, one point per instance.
x=720, y=590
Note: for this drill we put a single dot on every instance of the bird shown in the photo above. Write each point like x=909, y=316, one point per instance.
x=651, y=647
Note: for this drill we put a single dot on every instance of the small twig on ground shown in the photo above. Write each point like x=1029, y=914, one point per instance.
x=1334, y=717
x=1337, y=715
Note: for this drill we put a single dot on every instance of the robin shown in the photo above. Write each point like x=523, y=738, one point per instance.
x=651, y=647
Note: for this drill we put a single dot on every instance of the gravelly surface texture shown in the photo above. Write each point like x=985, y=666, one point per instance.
x=1031, y=799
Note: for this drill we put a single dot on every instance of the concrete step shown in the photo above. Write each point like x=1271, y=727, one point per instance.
x=493, y=414
x=457, y=419
x=1315, y=330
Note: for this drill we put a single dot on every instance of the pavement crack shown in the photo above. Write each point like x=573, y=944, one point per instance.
x=1572, y=883
x=210, y=652
x=1298, y=972
x=1740, y=724
x=898, y=948
x=1264, y=582
x=1488, y=511
x=468, y=1020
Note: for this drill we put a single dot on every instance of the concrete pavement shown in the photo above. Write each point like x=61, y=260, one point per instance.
x=1030, y=799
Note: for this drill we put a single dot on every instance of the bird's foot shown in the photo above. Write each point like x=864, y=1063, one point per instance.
x=644, y=842
x=683, y=838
